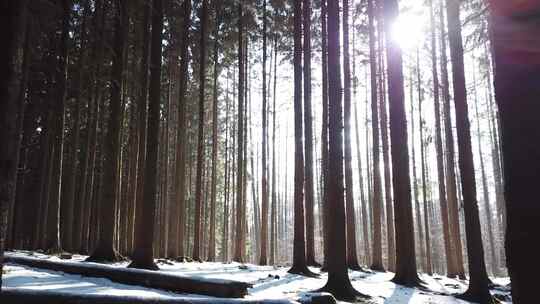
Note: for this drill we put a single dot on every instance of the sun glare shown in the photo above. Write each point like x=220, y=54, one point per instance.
x=407, y=30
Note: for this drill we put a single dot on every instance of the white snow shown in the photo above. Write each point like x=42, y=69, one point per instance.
x=268, y=282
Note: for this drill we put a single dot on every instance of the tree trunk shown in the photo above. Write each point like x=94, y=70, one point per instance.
x=451, y=198
x=405, y=252
x=143, y=255
x=324, y=127
x=240, y=135
x=264, y=165
x=449, y=254
x=338, y=283
x=11, y=60
x=53, y=243
x=273, y=212
x=308, y=136
x=106, y=249
x=299, y=263
x=376, y=260
x=516, y=92
x=478, y=283
x=352, y=258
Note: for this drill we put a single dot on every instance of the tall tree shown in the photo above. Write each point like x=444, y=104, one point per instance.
x=237, y=256
x=264, y=165
x=376, y=258
x=517, y=70
x=143, y=254
x=181, y=138
x=451, y=187
x=200, y=146
x=352, y=258
x=308, y=137
x=324, y=127
x=273, y=211
x=405, y=253
x=106, y=247
x=11, y=61
x=338, y=282
x=478, y=282
x=299, y=263
x=450, y=261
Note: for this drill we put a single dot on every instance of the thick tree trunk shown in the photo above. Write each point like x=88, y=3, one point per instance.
x=338, y=279
x=11, y=61
x=405, y=253
x=106, y=248
x=478, y=282
x=517, y=70
x=143, y=255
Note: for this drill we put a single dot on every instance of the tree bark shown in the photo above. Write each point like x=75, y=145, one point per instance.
x=106, y=248
x=478, y=282
x=143, y=255
x=338, y=283
x=516, y=92
x=451, y=191
x=11, y=60
x=264, y=165
x=405, y=253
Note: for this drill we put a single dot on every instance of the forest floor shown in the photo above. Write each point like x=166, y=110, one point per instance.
x=268, y=282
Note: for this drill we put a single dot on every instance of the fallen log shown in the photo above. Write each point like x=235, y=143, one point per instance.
x=18, y=296
x=176, y=283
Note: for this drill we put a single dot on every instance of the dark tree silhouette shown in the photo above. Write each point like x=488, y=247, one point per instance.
x=405, y=253
x=143, y=254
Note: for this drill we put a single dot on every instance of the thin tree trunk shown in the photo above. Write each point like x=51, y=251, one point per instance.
x=449, y=254
x=376, y=259
x=264, y=171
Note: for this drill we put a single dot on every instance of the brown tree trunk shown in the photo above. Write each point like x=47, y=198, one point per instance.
x=478, y=283
x=299, y=263
x=308, y=136
x=237, y=256
x=338, y=283
x=264, y=165
x=143, y=256
x=516, y=90
x=273, y=211
x=451, y=191
x=324, y=127
x=352, y=258
x=376, y=259
x=200, y=147
x=106, y=249
x=405, y=253
x=449, y=254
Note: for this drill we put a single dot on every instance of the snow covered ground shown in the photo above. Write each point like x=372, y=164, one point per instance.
x=268, y=282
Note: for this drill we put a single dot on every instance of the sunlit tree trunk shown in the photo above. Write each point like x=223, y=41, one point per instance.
x=478, y=282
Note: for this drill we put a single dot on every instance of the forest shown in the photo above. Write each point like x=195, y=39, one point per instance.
x=269, y=151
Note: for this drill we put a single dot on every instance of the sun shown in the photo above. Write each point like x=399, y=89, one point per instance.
x=407, y=29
